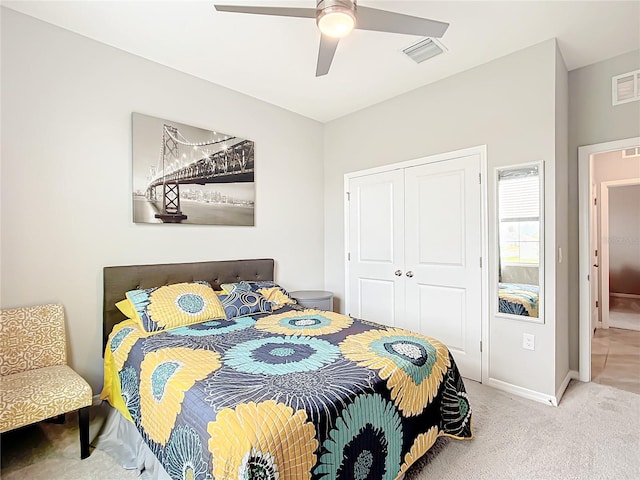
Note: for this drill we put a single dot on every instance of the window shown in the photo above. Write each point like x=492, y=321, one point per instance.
x=519, y=216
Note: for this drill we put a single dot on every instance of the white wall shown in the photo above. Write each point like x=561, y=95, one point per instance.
x=592, y=120
x=66, y=176
x=508, y=104
x=561, y=224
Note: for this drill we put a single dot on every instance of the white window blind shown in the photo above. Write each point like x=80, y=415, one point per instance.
x=519, y=197
x=519, y=213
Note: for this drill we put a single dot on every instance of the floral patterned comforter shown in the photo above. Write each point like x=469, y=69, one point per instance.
x=518, y=299
x=293, y=395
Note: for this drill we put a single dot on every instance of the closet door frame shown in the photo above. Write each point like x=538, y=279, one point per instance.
x=480, y=150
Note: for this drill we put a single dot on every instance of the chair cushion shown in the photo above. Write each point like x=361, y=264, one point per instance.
x=31, y=337
x=35, y=395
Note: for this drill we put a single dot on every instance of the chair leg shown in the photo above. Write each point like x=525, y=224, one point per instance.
x=83, y=422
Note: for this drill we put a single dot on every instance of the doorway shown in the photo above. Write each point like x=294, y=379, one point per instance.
x=620, y=247
x=611, y=349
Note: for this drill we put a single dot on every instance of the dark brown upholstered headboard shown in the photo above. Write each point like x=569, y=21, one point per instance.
x=119, y=280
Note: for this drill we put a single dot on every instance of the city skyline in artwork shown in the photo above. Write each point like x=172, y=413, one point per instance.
x=189, y=175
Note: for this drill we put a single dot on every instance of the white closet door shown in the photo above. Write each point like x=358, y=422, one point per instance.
x=443, y=241
x=376, y=246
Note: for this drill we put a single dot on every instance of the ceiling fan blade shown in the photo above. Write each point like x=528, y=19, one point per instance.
x=385, y=21
x=328, y=47
x=279, y=11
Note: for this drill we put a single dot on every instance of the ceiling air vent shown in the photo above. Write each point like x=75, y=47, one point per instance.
x=626, y=87
x=424, y=50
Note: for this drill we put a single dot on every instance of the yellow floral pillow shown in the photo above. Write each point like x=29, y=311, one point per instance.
x=275, y=295
x=175, y=305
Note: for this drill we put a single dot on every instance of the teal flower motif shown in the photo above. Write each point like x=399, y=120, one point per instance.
x=322, y=393
x=183, y=455
x=415, y=356
x=455, y=408
x=190, y=303
x=308, y=322
x=281, y=355
x=365, y=443
x=140, y=300
x=213, y=327
x=282, y=352
x=119, y=337
x=130, y=389
x=161, y=376
x=218, y=335
x=412, y=365
x=362, y=466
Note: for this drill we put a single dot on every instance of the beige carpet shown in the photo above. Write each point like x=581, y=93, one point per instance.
x=593, y=434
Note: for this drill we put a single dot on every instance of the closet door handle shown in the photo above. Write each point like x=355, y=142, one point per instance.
x=398, y=273
x=409, y=274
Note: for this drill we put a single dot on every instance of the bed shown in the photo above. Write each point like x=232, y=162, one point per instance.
x=518, y=299
x=287, y=394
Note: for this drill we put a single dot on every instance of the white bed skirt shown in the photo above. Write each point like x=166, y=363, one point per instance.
x=121, y=440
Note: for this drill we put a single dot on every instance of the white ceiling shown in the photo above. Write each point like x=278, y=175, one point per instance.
x=274, y=58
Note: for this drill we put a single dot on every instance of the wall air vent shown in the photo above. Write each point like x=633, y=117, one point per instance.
x=625, y=88
x=424, y=50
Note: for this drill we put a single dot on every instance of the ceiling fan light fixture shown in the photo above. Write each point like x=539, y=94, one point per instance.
x=336, y=21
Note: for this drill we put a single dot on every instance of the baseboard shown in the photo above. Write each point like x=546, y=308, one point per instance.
x=522, y=392
x=571, y=375
x=625, y=325
x=624, y=295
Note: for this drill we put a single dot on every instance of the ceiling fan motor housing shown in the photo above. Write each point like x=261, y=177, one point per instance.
x=327, y=7
x=348, y=4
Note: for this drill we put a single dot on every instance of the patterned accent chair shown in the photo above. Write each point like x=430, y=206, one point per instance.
x=35, y=381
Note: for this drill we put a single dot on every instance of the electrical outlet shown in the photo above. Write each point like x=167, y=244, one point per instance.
x=528, y=341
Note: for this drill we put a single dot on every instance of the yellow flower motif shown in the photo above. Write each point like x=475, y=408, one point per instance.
x=184, y=304
x=266, y=440
x=412, y=364
x=422, y=443
x=166, y=375
x=307, y=322
x=521, y=297
x=121, y=340
x=275, y=296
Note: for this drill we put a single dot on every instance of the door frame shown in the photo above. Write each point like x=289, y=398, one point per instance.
x=481, y=151
x=604, y=248
x=585, y=154
x=594, y=235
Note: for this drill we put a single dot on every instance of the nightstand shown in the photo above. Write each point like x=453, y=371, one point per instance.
x=318, y=299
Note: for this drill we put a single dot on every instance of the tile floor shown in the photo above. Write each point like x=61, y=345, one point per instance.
x=615, y=358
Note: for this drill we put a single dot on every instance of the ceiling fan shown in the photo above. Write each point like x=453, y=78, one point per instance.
x=337, y=18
